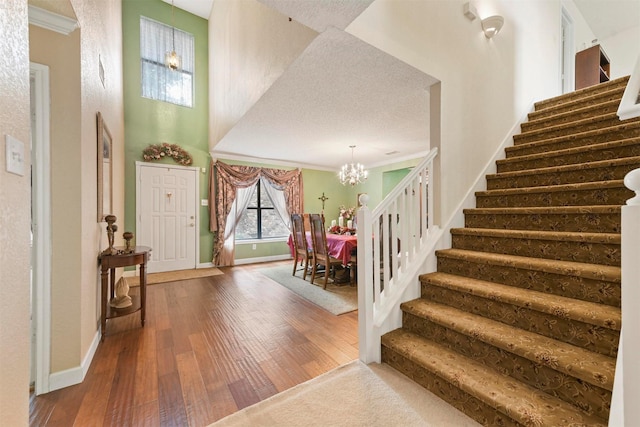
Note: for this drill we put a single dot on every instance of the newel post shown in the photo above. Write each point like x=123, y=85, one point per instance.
x=627, y=379
x=366, y=341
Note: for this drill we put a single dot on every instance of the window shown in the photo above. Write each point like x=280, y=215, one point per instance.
x=260, y=220
x=159, y=81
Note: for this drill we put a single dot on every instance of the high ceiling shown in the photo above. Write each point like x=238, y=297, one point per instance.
x=342, y=91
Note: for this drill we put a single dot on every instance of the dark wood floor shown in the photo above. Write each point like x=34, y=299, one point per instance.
x=210, y=347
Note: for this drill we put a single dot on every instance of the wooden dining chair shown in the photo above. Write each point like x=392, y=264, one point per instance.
x=320, y=251
x=302, y=253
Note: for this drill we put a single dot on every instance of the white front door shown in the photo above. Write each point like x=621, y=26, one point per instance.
x=167, y=215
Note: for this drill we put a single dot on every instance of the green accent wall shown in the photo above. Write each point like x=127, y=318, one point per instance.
x=153, y=122
x=316, y=182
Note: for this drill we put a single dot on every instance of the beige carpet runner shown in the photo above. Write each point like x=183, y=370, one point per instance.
x=353, y=395
x=520, y=324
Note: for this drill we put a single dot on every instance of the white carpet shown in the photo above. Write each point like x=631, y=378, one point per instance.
x=336, y=299
x=352, y=395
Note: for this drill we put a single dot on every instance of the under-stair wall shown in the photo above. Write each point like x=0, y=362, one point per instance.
x=521, y=322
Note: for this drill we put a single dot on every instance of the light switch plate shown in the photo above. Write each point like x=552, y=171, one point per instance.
x=204, y=202
x=14, y=155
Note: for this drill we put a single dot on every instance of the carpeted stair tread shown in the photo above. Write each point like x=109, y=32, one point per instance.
x=522, y=403
x=578, y=139
x=597, y=248
x=567, y=154
x=589, y=111
x=579, y=269
x=574, y=194
x=566, y=236
x=614, y=93
x=563, y=357
x=543, y=210
x=588, y=123
x=579, y=172
x=581, y=94
x=584, y=311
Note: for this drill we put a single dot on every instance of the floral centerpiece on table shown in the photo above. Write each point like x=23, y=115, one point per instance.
x=347, y=214
x=174, y=151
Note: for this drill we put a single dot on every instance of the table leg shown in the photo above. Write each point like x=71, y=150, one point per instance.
x=104, y=275
x=143, y=292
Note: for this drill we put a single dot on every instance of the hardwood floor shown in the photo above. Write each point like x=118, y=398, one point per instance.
x=210, y=347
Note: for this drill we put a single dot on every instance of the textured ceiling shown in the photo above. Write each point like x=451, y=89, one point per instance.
x=342, y=91
x=319, y=15
x=339, y=92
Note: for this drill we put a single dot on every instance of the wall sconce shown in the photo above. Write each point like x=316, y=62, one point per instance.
x=492, y=25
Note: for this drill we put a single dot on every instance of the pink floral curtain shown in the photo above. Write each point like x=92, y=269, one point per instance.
x=225, y=179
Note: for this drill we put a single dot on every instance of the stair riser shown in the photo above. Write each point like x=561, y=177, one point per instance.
x=580, y=334
x=542, y=123
x=573, y=197
x=593, y=400
x=596, y=253
x=601, y=173
x=617, y=133
x=565, y=285
x=561, y=159
x=563, y=99
x=459, y=399
x=567, y=130
x=613, y=95
x=578, y=222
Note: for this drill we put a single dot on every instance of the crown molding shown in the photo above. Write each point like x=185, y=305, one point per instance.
x=51, y=21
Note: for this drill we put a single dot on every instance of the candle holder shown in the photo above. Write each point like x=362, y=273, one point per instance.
x=127, y=238
x=111, y=229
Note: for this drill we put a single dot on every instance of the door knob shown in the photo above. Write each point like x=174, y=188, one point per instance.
x=192, y=225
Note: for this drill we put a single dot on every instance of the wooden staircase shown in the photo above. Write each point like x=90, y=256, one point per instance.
x=521, y=322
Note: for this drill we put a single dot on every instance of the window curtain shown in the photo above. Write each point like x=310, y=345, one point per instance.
x=243, y=198
x=224, y=182
x=279, y=201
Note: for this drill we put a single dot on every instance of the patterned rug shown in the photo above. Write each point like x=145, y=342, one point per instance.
x=173, y=276
x=336, y=299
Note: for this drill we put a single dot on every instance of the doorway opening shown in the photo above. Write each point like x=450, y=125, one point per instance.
x=567, y=72
x=40, y=228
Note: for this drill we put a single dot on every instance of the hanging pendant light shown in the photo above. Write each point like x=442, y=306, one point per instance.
x=352, y=173
x=172, y=59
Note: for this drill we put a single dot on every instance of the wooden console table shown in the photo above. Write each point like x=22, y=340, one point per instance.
x=108, y=265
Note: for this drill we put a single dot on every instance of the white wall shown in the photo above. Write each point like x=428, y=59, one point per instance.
x=251, y=45
x=623, y=50
x=487, y=85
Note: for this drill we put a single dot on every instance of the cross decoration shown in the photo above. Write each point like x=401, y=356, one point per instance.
x=323, y=199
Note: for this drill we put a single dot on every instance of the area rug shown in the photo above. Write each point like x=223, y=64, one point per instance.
x=351, y=395
x=172, y=276
x=336, y=299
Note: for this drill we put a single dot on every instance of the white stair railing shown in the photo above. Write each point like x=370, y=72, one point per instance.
x=392, y=247
x=626, y=388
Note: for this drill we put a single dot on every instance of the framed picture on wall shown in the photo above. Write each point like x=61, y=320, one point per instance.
x=105, y=169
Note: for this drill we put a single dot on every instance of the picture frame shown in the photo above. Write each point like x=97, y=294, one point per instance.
x=105, y=169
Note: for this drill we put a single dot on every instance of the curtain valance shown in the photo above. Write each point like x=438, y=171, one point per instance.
x=225, y=179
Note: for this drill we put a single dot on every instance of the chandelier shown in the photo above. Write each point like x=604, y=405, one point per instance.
x=352, y=173
x=172, y=59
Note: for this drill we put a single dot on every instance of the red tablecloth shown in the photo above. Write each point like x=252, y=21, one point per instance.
x=339, y=245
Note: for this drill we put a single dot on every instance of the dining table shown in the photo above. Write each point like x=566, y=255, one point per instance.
x=340, y=246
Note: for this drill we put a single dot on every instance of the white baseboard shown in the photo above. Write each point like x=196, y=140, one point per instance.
x=76, y=375
x=262, y=259
x=205, y=265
